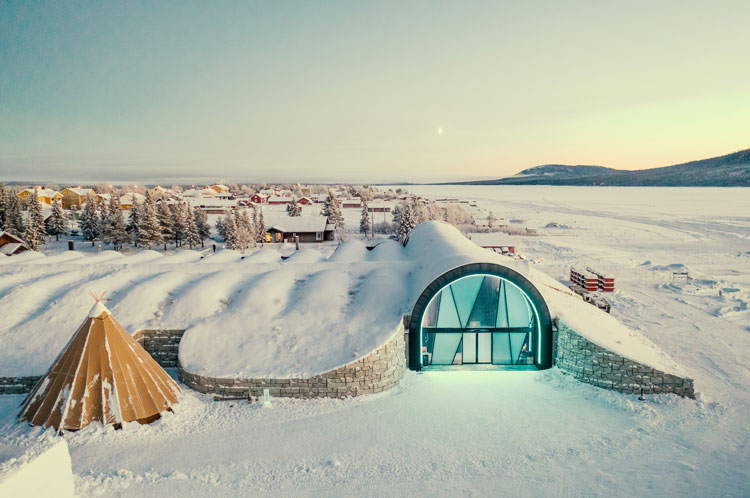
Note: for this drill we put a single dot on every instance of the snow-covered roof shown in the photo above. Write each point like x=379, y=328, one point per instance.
x=8, y=249
x=42, y=192
x=278, y=198
x=295, y=224
x=295, y=317
x=132, y=197
x=79, y=191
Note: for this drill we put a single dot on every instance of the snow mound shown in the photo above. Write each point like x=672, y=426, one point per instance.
x=388, y=250
x=141, y=257
x=44, y=469
x=102, y=257
x=63, y=257
x=223, y=256
x=264, y=255
x=350, y=251
x=305, y=255
x=181, y=257
x=24, y=256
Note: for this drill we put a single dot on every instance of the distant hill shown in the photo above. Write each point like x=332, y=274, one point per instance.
x=732, y=170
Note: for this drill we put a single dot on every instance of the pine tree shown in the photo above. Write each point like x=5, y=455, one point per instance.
x=58, y=221
x=164, y=215
x=103, y=220
x=178, y=224
x=192, y=233
x=89, y=221
x=230, y=233
x=242, y=232
x=149, y=233
x=14, y=223
x=293, y=208
x=201, y=222
x=135, y=217
x=35, y=231
x=116, y=232
x=332, y=210
x=364, y=221
x=407, y=221
x=3, y=207
x=491, y=220
x=221, y=228
x=260, y=227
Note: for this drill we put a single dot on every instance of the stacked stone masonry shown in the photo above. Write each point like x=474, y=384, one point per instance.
x=380, y=370
x=18, y=385
x=600, y=367
x=163, y=345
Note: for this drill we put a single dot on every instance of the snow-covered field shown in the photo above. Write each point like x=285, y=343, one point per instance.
x=493, y=433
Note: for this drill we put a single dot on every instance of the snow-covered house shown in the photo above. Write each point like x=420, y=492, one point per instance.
x=258, y=198
x=219, y=188
x=46, y=195
x=75, y=197
x=205, y=193
x=285, y=228
x=277, y=199
x=128, y=200
x=11, y=245
x=344, y=325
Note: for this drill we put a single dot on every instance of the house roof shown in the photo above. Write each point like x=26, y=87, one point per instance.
x=8, y=234
x=131, y=197
x=42, y=192
x=78, y=190
x=296, y=224
x=278, y=198
x=10, y=248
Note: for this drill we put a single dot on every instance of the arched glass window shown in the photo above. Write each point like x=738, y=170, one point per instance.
x=479, y=319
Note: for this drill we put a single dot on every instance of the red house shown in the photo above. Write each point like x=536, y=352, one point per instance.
x=258, y=199
x=305, y=201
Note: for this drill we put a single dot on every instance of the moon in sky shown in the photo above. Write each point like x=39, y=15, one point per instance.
x=440, y=131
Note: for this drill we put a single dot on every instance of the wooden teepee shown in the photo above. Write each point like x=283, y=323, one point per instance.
x=102, y=375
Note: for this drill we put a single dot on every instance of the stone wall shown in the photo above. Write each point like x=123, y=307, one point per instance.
x=162, y=344
x=601, y=367
x=18, y=385
x=380, y=370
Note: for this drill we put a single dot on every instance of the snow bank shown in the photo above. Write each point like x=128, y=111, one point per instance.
x=43, y=470
x=104, y=256
x=24, y=256
x=223, y=256
x=264, y=255
x=350, y=251
x=181, y=257
x=388, y=250
x=63, y=257
x=305, y=255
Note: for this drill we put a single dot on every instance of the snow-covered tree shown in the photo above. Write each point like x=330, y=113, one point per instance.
x=244, y=233
x=58, y=221
x=332, y=210
x=364, y=221
x=491, y=220
x=35, y=231
x=178, y=224
x=149, y=233
x=13, y=214
x=164, y=215
x=260, y=226
x=293, y=208
x=135, y=217
x=230, y=233
x=221, y=227
x=116, y=232
x=407, y=221
x=103, y=211
x=3, y=206
x=201, y=223
x=89, y=222
x=192, y=234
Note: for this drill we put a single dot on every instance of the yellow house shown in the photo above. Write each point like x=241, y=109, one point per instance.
x=75, y=197
x=220, y=189
x=127, y=200
x=46, y=195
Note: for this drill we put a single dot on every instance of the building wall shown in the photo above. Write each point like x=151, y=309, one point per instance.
x=162, y=344
x=378, y=371
x=593, y=364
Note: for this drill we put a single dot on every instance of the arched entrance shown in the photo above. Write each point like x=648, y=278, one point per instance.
x=480, y=314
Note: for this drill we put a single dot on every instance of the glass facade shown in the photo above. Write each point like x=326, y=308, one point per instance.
x=479, y=319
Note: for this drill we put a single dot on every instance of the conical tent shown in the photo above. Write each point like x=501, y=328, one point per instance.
x=102, y=375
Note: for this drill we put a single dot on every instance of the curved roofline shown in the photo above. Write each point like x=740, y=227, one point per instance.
x=545, y=319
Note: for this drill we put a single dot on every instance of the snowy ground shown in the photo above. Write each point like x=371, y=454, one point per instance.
x=496, y=433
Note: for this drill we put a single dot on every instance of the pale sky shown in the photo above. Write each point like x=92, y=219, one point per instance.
x=366, y=91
